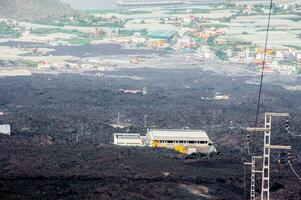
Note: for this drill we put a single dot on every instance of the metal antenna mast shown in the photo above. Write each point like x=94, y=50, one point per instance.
x=265, y=184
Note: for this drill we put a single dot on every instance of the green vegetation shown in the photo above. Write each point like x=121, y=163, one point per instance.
x=7, y=32
x=221, y=55
x=199, y=40
x=135, y=12
x=84, y=21
x=295, y=19
x=294, y=47
x=80, y=41
x=45, y=31
x=272, y=29
x=28, y=63
x=280, y=10
x=259, y=8
x=49, y=23
x=125, y=32
x=290, y=62
x=211, y=41
x=235, y=45
x=226, y=19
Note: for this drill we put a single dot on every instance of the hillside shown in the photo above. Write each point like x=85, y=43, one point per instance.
x=34, y=9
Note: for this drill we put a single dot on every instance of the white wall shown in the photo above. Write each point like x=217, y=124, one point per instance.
x=5, y=129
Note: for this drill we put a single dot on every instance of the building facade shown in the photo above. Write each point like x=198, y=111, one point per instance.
x=128, y=139
x=185, y=141
x=182, y=140
x=148, y=2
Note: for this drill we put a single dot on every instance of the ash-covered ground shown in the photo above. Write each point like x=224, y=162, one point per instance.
x=42, y=159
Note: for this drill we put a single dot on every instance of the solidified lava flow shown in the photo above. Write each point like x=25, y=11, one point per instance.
x=60, y=147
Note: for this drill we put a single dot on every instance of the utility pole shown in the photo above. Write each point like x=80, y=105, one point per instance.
x=145, y=121
x=118, y=119
x=265, y=184
x=253, y=176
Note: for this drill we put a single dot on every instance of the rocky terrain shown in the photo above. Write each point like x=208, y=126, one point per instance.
x=34, y=9
x=43, y=159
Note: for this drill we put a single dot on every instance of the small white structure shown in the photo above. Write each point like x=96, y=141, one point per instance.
x=128, y=139
x=5, y=129
x=221, y=97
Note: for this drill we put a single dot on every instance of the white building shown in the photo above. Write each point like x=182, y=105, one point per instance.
x=5, y=129
x=185, y=141
x=182, y=140
x=298, y=56
x=128, y=139
x=148, y=2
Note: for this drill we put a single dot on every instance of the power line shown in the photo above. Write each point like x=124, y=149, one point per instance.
x=262, y=71
x=287, y=127
x=292, y=134
x=294, y=171
x=267, y=147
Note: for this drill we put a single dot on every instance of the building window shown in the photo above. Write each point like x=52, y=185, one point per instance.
x=191, y=142
x=170, y=141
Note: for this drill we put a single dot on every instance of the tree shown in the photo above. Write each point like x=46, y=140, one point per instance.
x=211, y=41
x=221, y=55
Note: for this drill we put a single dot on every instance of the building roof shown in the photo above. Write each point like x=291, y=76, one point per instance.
x=162, y=34
x=178, y=134
x=127, y=135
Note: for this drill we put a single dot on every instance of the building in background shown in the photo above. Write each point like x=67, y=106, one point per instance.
x=148, y=2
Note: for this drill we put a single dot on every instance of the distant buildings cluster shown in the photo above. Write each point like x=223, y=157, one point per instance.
x=148, y=2
x=162, y=2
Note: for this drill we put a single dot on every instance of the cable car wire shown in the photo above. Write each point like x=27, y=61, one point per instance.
x=262, y=70
x=292, y=134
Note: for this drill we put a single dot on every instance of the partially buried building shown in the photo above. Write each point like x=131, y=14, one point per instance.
x=185, y=141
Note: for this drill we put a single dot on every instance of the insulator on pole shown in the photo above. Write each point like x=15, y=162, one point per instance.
x=248, y=143
x=248, y=138
x=287, y=123
x=289, y=156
